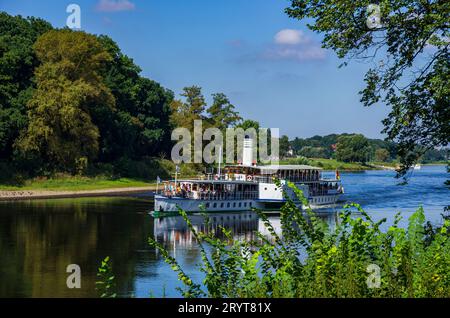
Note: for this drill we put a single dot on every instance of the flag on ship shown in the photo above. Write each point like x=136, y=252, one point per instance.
x=338, y=176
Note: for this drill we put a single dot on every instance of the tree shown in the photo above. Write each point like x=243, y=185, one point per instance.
x=354, y=148
x=313, y=152
x=139, y=125
x=412, y=73
x=248, y=123
x=222, y=113
x=17, y=63
x=184, y=113
x=284, y=146
x=60, y=127
x=381, y=155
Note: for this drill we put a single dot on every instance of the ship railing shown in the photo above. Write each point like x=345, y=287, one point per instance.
x=248, y=195
x=264, y=179
x=329, y=180
x=326, y=192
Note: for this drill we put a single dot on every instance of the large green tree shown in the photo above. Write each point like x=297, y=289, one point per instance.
x=60, y=128
x=407, y=42
x=17, y=64
x=381, y=155
x=140, y=125
x=222, y=113
x=184, y=113
x=353, y=148
x=58, y=75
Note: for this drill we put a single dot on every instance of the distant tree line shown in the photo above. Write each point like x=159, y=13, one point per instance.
x=356, y=148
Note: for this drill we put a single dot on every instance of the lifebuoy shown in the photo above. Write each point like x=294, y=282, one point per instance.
x=249, y=178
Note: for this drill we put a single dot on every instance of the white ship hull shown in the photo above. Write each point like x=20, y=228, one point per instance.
x=166, y=204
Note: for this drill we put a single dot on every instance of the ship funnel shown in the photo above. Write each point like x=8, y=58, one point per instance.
x=247, y=155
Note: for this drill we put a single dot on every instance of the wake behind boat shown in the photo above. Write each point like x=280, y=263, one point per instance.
x=246, y=186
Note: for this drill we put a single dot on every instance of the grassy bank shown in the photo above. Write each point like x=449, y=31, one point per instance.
x=329, y=164
x=332, y=164
x=76, y=183
x=125, y=174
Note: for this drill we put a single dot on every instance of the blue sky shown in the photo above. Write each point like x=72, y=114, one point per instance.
x=271, y=67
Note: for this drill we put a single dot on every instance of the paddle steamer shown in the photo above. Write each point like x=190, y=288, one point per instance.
x=245, y=186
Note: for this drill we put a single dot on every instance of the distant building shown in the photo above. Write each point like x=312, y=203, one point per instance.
x=290, y=152
x=333, y=147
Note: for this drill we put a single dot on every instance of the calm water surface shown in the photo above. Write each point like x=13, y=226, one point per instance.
x=38, y=239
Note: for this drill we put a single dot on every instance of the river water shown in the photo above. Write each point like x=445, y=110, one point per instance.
x=39, y=239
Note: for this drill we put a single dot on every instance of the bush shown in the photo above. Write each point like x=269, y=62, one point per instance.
x=9, y=175
x=147, y=168
x=353, y=259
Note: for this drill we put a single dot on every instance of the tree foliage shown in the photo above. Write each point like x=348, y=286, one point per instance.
x=324, y=147
x=185, y=113
x=68, y=82
x=353, y=148
x=222, y=113
x=75, y=100
x=284, y=146
x=359, y=257
x=381, y=155
x=411, y=74
x=17, y=64
x=140, y=126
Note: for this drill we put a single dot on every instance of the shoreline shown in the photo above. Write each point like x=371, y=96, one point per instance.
x=22, y=195
x=18, y=195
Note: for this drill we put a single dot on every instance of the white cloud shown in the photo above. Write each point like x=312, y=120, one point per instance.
x=287, y=45
x=290, y=37
x=299, y=54
x=293, y=45
x=115, y=5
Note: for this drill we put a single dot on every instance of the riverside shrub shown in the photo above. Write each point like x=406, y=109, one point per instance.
x=312, y=259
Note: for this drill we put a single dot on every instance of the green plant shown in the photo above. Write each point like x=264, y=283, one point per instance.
x=106, y=284
x=311, y=259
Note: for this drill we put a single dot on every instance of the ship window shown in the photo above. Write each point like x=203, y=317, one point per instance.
x=221, y=205
x=240, y=204
x=250, y=204
x=234, y=204
x=275, y=189
x=215, y=205
x=265, y=188
x=245, y=204
x=228, y=204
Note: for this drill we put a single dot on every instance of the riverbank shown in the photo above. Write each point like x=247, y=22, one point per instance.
x=72, y=187
x=39, y=194
x=332, y=164
x=74, y=183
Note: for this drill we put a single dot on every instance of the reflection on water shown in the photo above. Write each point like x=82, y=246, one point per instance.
x=38, y=239
x=174, y=230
